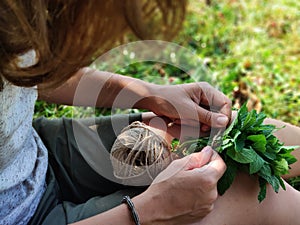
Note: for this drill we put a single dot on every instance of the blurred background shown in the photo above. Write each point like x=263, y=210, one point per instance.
x=251, y=49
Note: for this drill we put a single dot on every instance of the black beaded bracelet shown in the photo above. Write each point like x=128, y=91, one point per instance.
x=126, y=199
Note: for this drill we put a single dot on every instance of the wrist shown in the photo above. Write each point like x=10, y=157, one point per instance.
x=149, y=98
x=147, y=208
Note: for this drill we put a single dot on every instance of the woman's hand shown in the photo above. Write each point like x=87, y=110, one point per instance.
x=190, y=104
x=184, y=192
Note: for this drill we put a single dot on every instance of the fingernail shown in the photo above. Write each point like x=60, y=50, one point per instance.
x=222, y=120
x=206, y=149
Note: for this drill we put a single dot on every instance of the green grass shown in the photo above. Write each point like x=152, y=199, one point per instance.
x=252, y=41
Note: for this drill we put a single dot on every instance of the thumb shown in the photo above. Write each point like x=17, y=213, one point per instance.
x=199, y=159
x=215, y=168
x=190, y=162
x=212, y=119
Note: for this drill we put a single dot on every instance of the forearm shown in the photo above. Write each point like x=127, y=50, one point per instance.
x=101, y=89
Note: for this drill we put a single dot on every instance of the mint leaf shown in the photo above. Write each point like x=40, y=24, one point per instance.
x=249, y=120
x=259, y=119
x=256, y=148
x=256, y=165
x=269, y=155
x=249, y=145
x=259, y=142
x=266, y=174
x=242, y=113
x=281, y=183
x=228, y=177
x=280, y=167
x=239, y=141
x=263, y=189
x=244, y=156
x=231, y=126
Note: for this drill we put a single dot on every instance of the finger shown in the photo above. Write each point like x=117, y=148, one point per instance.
x=183, y=132
x=188, y=163
x=211, y=118
x=215, y=168
x=186, y=122
x=213, y=97
x=223, y=102
x=191, y=124
x=199, y=159
x=216, y=100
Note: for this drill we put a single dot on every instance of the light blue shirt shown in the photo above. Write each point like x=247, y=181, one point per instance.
x=23, y=156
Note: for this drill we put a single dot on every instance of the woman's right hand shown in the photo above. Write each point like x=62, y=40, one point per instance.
x=184, y=192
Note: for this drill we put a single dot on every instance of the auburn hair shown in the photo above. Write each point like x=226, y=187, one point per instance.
x=68, y=34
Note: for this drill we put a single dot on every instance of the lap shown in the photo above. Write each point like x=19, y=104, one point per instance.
x=79, y=174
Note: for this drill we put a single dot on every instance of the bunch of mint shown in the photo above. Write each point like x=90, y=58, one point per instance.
x=249, y=145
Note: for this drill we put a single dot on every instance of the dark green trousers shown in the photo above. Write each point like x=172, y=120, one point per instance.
x=79, y=183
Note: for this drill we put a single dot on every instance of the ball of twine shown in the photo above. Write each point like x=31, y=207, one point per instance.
x=139, y=154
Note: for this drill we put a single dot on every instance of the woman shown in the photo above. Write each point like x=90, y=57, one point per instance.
x=45, y=47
